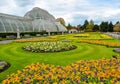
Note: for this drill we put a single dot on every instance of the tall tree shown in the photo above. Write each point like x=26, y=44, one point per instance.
x=91, y=22
x=104, y=26
x=69, y=26
x=110, y=28
x=79, y=27
x=61, y=20
x=85, y=24
x=96, y=27
x=117, y=22
x=90, y=26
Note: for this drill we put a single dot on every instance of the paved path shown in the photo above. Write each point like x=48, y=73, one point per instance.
x=6, y=41
x=9, y=41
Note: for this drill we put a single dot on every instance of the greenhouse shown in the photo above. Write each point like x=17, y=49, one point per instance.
x=36, y=20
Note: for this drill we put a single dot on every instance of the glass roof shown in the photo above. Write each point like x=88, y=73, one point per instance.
x=36, y=20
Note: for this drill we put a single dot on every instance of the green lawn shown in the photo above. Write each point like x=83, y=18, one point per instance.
x=18, y=58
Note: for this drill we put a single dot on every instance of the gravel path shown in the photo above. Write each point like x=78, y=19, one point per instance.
x=6, y=41
x=9, y=41
x=117, y=50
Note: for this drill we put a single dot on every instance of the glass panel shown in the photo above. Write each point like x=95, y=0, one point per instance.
x=9, y=21
x=36, y=26
x=25, y=26
x=30, y=26
x=13, y=25
x=41, y=27
x=7, y=25
x=19, y=26
x=1, y=27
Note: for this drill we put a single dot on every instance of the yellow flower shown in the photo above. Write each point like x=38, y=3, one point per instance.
x=55, y=83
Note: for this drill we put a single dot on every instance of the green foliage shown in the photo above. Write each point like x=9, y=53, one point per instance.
x=91, y=22
x=110, y=29
x=117, y=22
x=79, y=27
x=69, y=26
x=88, y=25
x=3, y=35
x=85, y=24
x=61, y=20
x=106, y=27
x=96, y=27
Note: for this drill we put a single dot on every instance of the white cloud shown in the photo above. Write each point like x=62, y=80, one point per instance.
x=70, y=10
x=8, y=7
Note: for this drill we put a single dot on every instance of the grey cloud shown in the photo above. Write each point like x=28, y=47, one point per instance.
x=24, y=3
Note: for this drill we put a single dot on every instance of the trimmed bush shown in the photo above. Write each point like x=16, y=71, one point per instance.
x=3, y=66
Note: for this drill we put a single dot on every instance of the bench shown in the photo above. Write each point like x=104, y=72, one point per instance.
x=26, y=35
x=38, y=35
x=10, y=37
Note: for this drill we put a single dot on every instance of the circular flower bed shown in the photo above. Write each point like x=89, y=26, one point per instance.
x=49, y=46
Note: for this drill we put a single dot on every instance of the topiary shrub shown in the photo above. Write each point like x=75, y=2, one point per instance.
x=3, y=66
x=117, y=50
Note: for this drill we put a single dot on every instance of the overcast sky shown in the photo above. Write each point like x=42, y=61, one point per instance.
x=73, y=11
